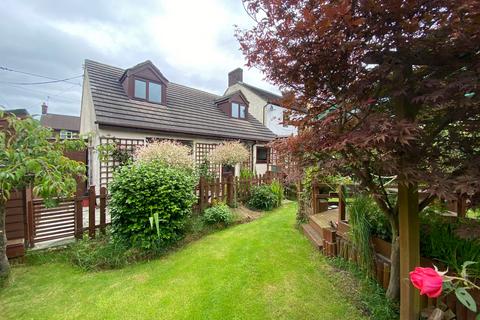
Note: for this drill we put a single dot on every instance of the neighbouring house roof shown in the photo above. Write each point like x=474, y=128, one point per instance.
x=60, y=122
x=266, y=95
x=187, y=110
x=18, y=112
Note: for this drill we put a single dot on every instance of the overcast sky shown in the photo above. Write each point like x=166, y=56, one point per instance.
x=192, y=43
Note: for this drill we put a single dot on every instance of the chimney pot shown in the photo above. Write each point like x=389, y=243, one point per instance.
x=44, y=108
x=235, y=76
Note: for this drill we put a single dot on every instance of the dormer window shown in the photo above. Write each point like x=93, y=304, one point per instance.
x=148, y=90
x=140, y=89
x=145, y=82
x=238, y=111
x=154, y=92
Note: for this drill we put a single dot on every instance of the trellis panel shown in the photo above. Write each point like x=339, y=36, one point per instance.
x=202, y=150
x=108, y=167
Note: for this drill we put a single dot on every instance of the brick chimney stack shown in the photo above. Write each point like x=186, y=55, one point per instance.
x=44, y=108
x=235, y=76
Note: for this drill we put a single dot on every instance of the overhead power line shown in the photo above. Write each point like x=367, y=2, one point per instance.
x=53, y=80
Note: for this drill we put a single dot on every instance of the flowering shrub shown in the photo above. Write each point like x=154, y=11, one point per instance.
x=433, y=283
x=167, y=152
x=229, y=153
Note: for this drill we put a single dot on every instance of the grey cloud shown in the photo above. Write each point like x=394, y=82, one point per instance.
x=30, y=43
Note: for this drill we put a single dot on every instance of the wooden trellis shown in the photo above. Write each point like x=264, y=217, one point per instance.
x=107, y=167
x=202, y=150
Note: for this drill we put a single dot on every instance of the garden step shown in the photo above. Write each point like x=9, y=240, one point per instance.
x=313, y=236
x=315, y=224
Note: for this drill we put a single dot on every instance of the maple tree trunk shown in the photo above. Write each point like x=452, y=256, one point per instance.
x=4, y=265
x=393, y=291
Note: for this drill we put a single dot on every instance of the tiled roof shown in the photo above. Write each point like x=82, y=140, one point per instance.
x=60, y=122
x=188, y=110
x=266, y=95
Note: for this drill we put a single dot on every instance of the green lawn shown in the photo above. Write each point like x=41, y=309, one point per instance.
x=265, y=269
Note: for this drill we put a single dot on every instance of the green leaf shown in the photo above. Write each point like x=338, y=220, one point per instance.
x=151, y=222
x=466, y=299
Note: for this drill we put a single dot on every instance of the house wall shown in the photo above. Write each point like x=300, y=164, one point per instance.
x=274, y=119
x=94, y=171
x=268, y=114
x=88, y=125
x=260, y=168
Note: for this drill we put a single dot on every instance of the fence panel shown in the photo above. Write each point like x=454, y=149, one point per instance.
x=66, y=219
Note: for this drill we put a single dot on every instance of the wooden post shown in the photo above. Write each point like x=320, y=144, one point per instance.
x=103, y=207
x=78, y=216
x=91, y=211
x=230, y=194
x=217, y=189
x=409, y=249
x=201, y=195
x=386, y=275
x=341, y=203
x=30, y=218
x=314, y=198
x=461, y=207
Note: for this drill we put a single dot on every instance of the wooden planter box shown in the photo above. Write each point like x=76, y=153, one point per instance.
x=329, y=235
x=382, y=247
x=343, y=229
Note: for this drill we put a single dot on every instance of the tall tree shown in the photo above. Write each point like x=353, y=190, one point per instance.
x=389, y=87
x=29, y=157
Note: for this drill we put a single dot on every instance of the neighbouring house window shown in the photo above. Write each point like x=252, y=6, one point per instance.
x=262, y=155
x=154, y=92
x=285, y=119
x=64, y=134
x=140, y=89
x=238, y=111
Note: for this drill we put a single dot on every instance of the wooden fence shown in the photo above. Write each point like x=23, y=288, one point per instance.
x=229, y=189
x=66, y=219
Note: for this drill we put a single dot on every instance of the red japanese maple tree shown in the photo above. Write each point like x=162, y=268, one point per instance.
x=388, y=87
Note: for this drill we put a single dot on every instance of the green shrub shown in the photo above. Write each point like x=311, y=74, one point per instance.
x=246, y=173
x=262, y=198
x=360, y=231
x=277, y=189
x=142, y=190
x=219, y=213
x=379, y=224
x=439, y=240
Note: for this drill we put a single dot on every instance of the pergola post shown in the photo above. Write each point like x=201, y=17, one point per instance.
x=409, y=228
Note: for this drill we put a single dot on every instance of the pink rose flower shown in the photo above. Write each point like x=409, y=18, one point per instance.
x=428, y=281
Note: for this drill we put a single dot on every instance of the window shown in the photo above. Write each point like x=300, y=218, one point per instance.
x=238, y=111
x=64, y=134
x=235, y=108
x=140, y=89
x=285, y=118
x=154, y=92
x=262, y=155
x=148, y=90
x=242, y=112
